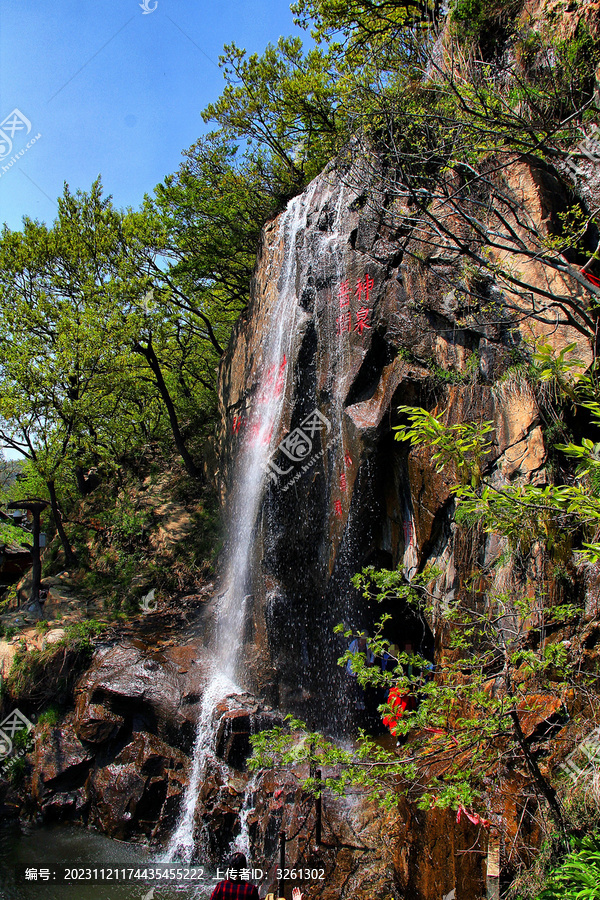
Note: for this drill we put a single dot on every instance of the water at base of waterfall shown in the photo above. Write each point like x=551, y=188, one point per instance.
x=60, y=848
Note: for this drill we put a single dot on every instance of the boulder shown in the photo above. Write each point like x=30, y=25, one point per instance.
x=129, y=687
x=128, y=795
x=61, y=763
x=237, y=724
x=95, y=723
x=54, y=636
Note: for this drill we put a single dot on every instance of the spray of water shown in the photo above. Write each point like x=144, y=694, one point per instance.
x=241, y=843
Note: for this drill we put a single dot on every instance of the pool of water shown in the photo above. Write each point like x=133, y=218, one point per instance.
x=63, y=847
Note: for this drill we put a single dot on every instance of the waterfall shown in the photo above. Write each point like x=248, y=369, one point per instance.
x=241, y=843
x=181, y=844
x=246, y=498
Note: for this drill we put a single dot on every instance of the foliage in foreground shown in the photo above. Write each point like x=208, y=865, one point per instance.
x=578, y=876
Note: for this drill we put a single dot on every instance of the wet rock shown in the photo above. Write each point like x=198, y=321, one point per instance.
x=113, y=761
x=374, y=328
x=193, y=664
x=237, y=725
x=95, y=723
x=130, y=687
x=431, y=858
x=61, y=763
x=220, y=802
x=355, y=855
x=66, y=806
x=128, y=795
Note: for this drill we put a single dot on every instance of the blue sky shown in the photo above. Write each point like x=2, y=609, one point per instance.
x=111, y=90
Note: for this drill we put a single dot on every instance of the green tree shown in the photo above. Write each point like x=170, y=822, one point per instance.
x=362, y=25
x=212, y=211
x=56, y=367
x=101, y=346
x=284, y=105
x=453, y=136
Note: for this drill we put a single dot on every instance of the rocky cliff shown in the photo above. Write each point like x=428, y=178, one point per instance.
x=381, y=321
x=381, y=318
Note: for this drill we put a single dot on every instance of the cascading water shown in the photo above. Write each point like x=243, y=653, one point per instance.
x=241, y=843
x=246, y=498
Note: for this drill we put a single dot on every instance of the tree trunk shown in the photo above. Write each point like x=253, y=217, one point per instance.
x=36, y=569
x=70, y=555
x=82, y=486
x=541, y=783
x=150, y=356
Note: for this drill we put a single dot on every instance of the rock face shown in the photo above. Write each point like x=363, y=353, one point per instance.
x=380, y=319
x=139, y=792
x=120, y=760
x=378, y=323
x=116, y=762
x=126, y=683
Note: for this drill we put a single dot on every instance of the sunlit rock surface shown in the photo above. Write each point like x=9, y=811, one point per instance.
x=379, y=328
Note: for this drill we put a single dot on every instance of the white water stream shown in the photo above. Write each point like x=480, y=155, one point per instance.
x=257, y=440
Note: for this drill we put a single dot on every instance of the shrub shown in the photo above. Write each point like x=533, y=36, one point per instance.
x=50, y=716
x=80, y=635
x=578, y=877
x=39, y=677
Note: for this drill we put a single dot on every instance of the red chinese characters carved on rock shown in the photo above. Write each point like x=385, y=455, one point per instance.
x=364, y=286
x=257, y=437
x=338, y=508
x=361, y=319
x=344, y=322
x=344, y=294
x=363, y=290
x=273, y=383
